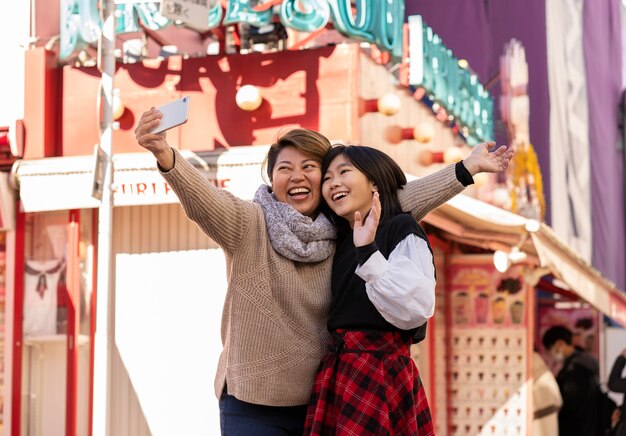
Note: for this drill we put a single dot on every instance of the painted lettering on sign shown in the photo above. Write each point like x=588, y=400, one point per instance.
x=376, y=21
x=434, y=68
x=137, y=192
x=157, y=188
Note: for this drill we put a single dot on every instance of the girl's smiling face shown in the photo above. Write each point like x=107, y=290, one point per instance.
x=347, y=190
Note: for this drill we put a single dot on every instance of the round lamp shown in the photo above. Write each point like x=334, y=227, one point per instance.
x=393, y=134
x=389, y=104
x=424, y=132
x=516, y=255
x=248, y=98
x=452, y=154
x=532, y=226
x=428, y=157
x=117, y=105
x=501, y=260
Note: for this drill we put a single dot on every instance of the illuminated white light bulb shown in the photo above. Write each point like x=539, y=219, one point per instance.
x=117, y=105
x=516, y=255
x=389, y=104
x=501, y=260
x=532, y=226
x=424, y=132
x=453, y=154
x=248, y=98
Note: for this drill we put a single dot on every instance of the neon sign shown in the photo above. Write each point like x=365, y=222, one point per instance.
x=376, y=21
x=434, y=68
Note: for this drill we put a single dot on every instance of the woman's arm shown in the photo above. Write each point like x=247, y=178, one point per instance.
x=221, y=215
x=402, y=288
x=421, y=196
x=425, y=194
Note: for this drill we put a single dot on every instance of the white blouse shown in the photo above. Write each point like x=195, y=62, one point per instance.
x=402, y=288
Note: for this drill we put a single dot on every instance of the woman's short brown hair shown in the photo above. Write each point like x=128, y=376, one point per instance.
x=307, y=141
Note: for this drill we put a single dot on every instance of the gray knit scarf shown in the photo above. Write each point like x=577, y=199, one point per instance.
x=293, y=235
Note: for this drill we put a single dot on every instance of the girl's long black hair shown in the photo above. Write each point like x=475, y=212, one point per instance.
x=379, y=168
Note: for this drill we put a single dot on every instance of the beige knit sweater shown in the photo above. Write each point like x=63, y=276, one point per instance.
x=274, y=318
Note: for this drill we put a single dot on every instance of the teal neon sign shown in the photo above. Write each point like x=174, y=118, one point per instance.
x=376, y=21
x=434, y=68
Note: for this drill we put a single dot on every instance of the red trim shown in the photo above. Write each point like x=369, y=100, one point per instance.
x=370, y=105
x=546, y=285
x=448, y=349
x=407, y=133
x=92, y=311
x=73, y=322
x=310, y=37
x=405, y=65
x=432, y=394
x=262, y=7
x=617, y=308
x=18, y=312
x=531, y=323
x=236, y=37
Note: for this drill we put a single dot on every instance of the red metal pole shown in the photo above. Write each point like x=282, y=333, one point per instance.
x=73, y=320
x=18, y=312
x=92, y=311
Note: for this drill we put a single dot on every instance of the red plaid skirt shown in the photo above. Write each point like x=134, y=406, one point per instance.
x=367, y=384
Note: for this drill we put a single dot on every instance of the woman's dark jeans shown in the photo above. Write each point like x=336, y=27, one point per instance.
x=238, y=418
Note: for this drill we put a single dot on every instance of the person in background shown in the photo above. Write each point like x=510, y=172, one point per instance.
x=279, y=250
x=617, y=383
x=547, y=399
x=578, y=383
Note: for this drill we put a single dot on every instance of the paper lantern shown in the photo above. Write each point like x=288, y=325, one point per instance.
x=389, y=104
x=248, y=98
x=424, y=132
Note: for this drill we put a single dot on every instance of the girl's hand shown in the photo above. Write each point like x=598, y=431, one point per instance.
x=364, y=233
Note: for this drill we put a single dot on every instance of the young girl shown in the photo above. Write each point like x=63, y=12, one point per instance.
x=383, y=289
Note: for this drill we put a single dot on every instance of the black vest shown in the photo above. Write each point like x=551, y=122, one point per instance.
x=350, y=307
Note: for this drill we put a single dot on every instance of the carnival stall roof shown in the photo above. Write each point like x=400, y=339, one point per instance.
x=62, y=183
x=473, y=222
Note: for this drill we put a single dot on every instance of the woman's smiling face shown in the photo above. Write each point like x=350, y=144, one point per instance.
x=346, y=189
x=296, y=180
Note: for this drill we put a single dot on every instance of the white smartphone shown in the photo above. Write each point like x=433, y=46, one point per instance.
x=174, y=114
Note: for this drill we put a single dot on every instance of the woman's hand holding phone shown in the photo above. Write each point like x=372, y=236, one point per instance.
x=155, y=143
x=173, y=114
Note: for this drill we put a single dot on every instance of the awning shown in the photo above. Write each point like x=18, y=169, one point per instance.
x=473, y=222
x=63, y=183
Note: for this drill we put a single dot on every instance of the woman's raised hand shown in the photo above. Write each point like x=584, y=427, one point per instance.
x=154, y=143
x=364, y=232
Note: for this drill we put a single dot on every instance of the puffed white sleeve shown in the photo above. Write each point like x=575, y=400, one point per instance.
x=402, y=288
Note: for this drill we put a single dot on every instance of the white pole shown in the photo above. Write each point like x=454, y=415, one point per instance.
x=104, y=316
